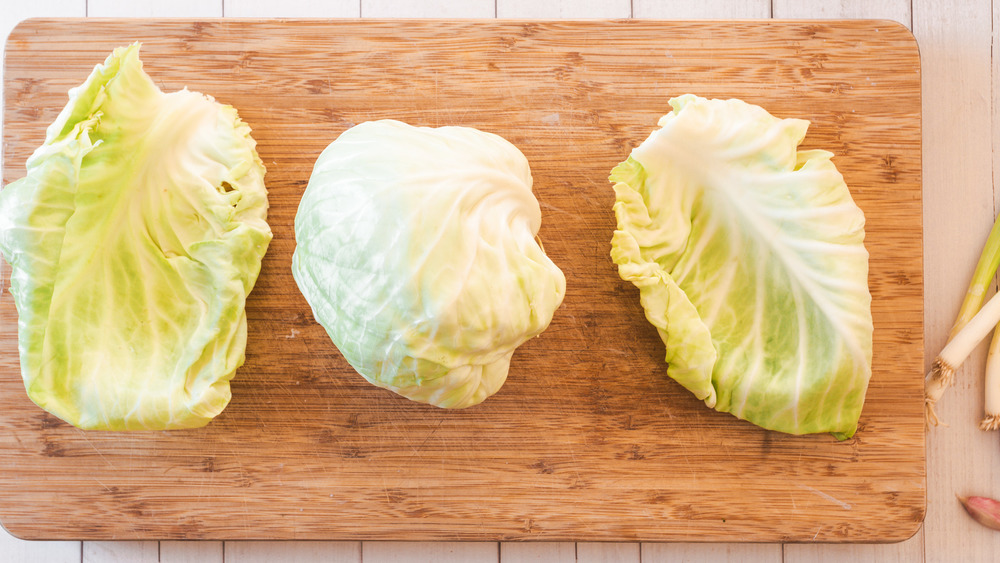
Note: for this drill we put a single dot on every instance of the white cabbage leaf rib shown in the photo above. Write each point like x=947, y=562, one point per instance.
x=134, y=241
x=415, y=248
x=750, y=260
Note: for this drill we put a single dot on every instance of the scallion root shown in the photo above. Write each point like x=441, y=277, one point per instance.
x=990, y=422
x=941, y=377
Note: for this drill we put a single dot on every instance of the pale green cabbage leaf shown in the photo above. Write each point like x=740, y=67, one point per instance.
x=416, y=249
x=134, y=240
x=750, y=262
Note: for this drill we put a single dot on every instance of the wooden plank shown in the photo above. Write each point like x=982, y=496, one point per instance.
x=14, y=549
x=607, y=552
x=291, y=8
x=710, y=553
x=121, y=552
x=905, y=552
x=706, y=9
x=293, y=552
x=430, y=552
x=191, y=552
x=541, y=552
x=308, y=450
x=995, y=99
x=895, y=10
x=955, y=43
x=173, y=8
x=428, y=9
x=564, y=9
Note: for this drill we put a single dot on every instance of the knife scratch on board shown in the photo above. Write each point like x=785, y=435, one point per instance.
x=101, y=483
x=417, y=449
x=815, y=491
x=83, y=435
x=385, y=489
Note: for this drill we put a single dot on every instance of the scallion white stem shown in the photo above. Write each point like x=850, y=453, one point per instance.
x=992, y=403
x=963, y=343
x=942, y=374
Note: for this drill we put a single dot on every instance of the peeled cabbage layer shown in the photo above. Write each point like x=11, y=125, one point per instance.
x=415, y=248
x=750, y=262
x=134, y=240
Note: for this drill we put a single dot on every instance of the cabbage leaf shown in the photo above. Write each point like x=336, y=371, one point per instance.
x=750, y=262
x=415, y=248
x=134, y=240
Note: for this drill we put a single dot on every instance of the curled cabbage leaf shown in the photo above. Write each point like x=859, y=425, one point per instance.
x=750, y=262
x=415, y=248
x=134, y=240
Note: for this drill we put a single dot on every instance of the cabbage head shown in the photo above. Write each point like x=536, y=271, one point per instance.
x=750, y=262
x=415, y=248
x=134, y=240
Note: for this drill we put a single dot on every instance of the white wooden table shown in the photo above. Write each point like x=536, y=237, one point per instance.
x=960, y=54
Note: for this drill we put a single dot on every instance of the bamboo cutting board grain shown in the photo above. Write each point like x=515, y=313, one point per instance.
x=588, y=439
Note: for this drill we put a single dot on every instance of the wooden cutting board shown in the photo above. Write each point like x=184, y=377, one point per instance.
x=588, y=440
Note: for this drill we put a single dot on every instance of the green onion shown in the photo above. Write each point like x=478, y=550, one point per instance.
x=992, y=401
x=942, y=374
